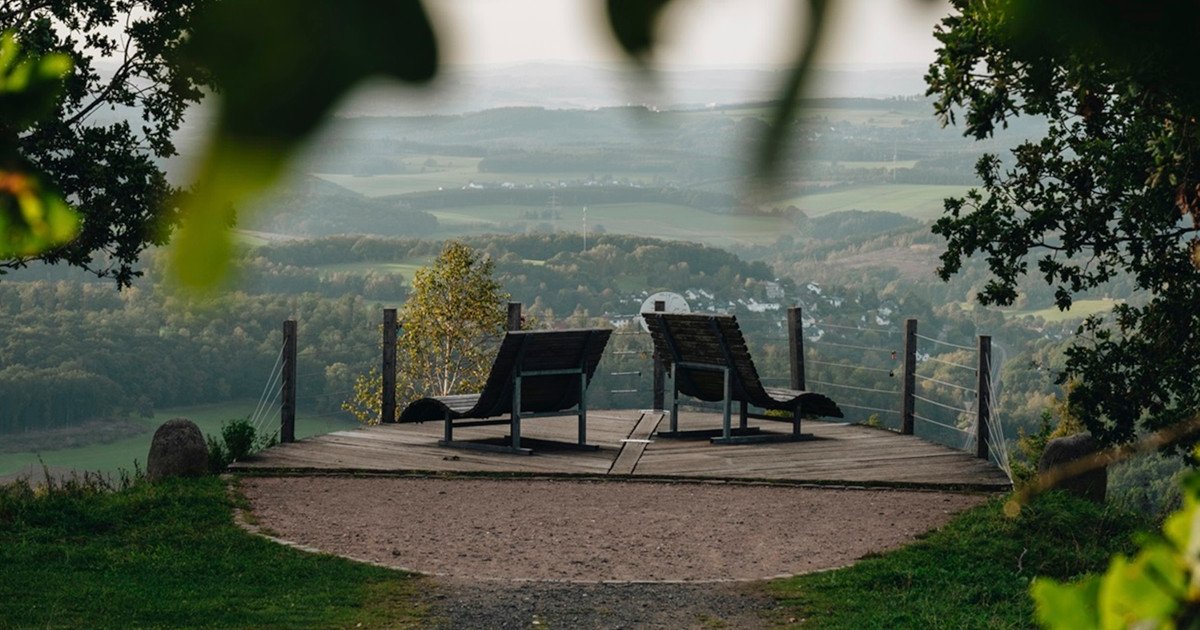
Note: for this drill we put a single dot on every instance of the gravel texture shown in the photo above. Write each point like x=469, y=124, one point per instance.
x=467, y=604
x=593, y=554
x=582, y=531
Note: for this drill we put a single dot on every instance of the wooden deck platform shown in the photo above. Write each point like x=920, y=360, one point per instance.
x=840, y=454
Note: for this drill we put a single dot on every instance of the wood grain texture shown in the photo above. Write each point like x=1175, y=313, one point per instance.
x=840, y=454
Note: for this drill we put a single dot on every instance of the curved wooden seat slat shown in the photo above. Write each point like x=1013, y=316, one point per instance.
x=701, y=347
x=548, y=364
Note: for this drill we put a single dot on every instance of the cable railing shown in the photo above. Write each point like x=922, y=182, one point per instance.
x=847, y=359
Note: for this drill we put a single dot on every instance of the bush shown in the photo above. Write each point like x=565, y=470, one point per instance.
x=218, y=455
x=239, y=438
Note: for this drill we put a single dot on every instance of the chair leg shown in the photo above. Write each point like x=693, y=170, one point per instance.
x=726, y=431
x=674, y=402
x=448, y=431
x=796, y=421
x=515, y=428
x=583, y=408
x=743, y=411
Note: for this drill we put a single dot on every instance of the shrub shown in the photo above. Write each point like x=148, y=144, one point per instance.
x=218, y=455
x=239, y=438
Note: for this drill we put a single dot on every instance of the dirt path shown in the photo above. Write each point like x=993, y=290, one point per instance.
x=582, y=553
x=468, y=604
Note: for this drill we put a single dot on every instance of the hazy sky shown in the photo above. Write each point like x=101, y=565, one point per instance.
x=696, y=32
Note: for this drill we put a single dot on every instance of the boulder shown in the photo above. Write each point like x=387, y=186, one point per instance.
x=178, y=449
x=1091, y=484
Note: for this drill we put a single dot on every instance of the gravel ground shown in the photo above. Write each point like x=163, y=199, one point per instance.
x=467, y=604
x=594, y=554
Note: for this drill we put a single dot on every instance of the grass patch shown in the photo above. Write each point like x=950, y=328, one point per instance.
x=919, y=201
x=456, y=175
x=406, y=268
x=973, y=573
x=658, y=220
x=1079, y=310
x=169, y=555
x=121, y=453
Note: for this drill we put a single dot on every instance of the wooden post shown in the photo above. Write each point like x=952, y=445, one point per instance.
x=984, y=396
x=514, y=316
x=660, y=369
x=795, y=329
x=287, y=411
x=388, y=414
x=908, y=386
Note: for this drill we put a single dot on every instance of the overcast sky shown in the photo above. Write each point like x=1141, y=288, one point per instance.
x=696, y=32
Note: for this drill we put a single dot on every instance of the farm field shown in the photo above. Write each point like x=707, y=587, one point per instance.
x=1079, y=309
x=657, y=220
x=919, y=201
x=405, y=268
x=869, y=117
x=109, y=458
x=455, y=177
x=885, y=164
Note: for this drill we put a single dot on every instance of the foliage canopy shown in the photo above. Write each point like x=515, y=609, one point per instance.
x=454, y=310
x=81, y=148
x=1113, y=186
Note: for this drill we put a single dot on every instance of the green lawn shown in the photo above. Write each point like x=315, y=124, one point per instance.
x=918, y=201
x=108, y=458
x=973, y=573
x=169, y=556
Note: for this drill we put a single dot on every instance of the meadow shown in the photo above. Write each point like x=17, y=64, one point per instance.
x=121, y=454
x=456, y=173
x=1079, y=309
x=656, y=220
x=405, y=268
x=919, y=201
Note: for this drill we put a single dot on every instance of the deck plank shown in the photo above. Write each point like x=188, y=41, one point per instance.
x=631, y=451
x=839, y=453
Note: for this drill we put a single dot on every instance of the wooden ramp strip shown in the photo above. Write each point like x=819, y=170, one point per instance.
x=632, y=450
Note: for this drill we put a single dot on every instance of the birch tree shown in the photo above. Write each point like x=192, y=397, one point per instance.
x=450, y=324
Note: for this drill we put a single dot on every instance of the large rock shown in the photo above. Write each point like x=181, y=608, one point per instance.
x=178, y=449
x=1059, y=451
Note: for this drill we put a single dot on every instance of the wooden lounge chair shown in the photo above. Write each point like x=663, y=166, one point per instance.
x=708, y=359
x=536, y=373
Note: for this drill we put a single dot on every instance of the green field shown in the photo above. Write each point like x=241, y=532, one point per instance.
x=1079, y=309
x=108, y=458
x=869, y=117
x=919, y=201
x=405, y=268
x=453, y=177
x=884, y=164
x=657, y=220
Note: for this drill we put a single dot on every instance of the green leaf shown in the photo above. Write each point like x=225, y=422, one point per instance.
x=281, y=66
x=633, y=24
x=774, y=143
x=1147, y=589
x=29, y=85
x=1063, y=606
x=33, y=218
